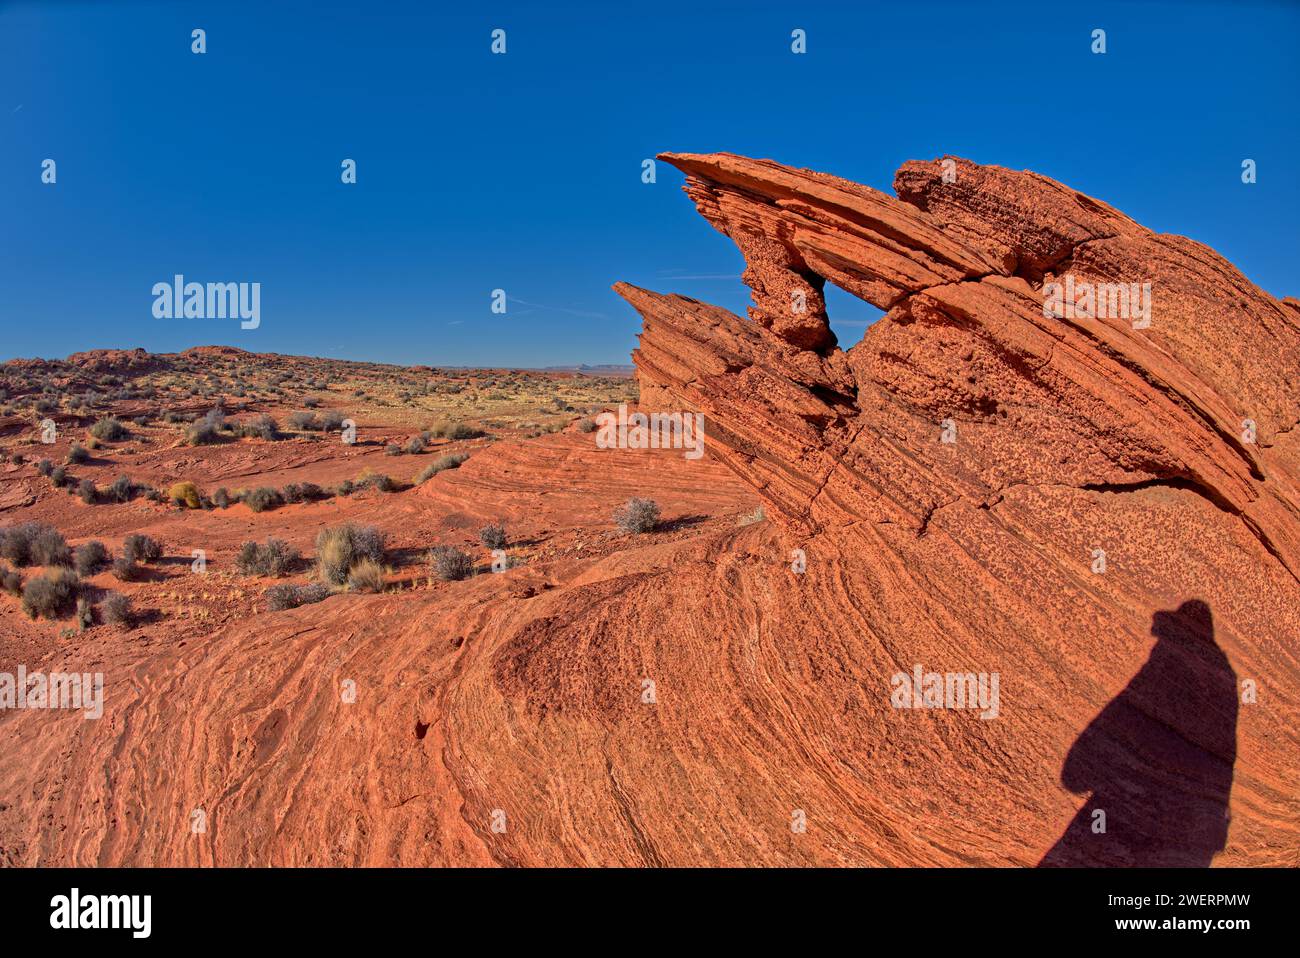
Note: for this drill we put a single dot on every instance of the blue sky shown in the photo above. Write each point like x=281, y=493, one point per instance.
x=478, y=171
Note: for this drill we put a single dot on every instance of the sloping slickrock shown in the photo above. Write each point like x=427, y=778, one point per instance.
x=1159, y=442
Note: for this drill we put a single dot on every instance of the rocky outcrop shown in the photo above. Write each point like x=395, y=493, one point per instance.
x=1067, y=435
x=1190, y=392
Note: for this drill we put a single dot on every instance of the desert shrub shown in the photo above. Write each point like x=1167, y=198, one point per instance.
x=126, y=570
x=89, y=557
x=185, y=494
x=15, y=544
x=305, y=421
x=202, y=434
x=46, y=546
x=45, y=467
x=311, y=402
x=281, y=597
x=340, y=548
x=77, y=454
x=302, y=492
x=441, y=464
x=85, y=613
x=331, y=420
x=449, y=563
x=457, y=430
x=50, y=594
x=366, y=575
x=415, y=446
x=122, y=489
x=346, y=487
x=261, y=427
x=59, y=477
x=586, y=424
x=375, y=480
x=637, y=515
x=87, y=491
x=11, y=580
x=153, y=495
x=117, y=610
x=215, y=419
x=221, y=498
x=262, y=498
x=275, y=558
x=140, y=548
x=392, y=449
x=109, y=429
x=493, y=535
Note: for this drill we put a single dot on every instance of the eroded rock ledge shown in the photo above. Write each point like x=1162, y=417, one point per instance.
x=960, y=260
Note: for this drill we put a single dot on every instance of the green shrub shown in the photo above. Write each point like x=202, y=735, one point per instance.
x=140, y=548
x=202, y=434
x=262, y=498
x=11, y=581
x=281, y=597
x=47, y=547
x=50, y=594
x=109, y=429
x=117, y=610
x=449, y=563
x=126, y=570
x=90, y=557
x=261, y=427
x=302, y=492
x=275, y=558
x=122, y=489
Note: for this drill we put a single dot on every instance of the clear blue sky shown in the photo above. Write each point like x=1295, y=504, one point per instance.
x=522, y=171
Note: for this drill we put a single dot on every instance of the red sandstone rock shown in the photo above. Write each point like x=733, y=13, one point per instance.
x=522, y=693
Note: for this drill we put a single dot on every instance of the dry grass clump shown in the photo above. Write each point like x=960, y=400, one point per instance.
x=441, y=464
x=342, y=547
x=637, y=515
x=450, y=564
x=276, y=558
